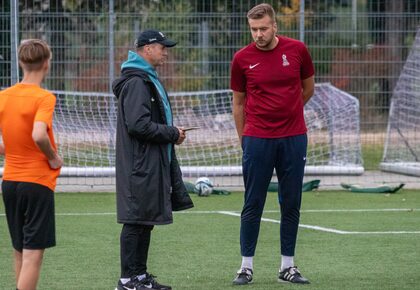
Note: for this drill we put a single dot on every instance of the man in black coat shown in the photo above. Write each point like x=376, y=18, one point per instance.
x=148, y=177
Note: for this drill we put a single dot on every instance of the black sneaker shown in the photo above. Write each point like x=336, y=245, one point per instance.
x=243, y=277
x=130, y=285
x=149, y=282
x=292, y=275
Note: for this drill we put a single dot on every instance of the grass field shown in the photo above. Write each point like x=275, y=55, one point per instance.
x=346, y=241
x=372, y=156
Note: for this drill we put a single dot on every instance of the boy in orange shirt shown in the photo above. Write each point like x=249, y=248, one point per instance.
x=32, y=164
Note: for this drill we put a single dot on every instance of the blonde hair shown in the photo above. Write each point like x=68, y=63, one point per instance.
x=33, y=53
x=261, y=10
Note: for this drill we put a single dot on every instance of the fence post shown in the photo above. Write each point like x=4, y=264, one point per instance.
x=14, y=37
x=111, y=72
x=354, y=22
x=204, y=45
x=111, y=60
x=302, y=21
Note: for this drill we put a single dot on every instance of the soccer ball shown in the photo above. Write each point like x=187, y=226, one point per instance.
x=203, y=186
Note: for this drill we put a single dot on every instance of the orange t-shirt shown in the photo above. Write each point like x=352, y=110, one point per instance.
x=20, y=106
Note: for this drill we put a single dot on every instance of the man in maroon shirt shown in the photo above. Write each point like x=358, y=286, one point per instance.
x=271, y=78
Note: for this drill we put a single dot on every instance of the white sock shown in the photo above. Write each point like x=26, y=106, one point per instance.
x=141, y=277
x=247, y=262
x=124, y=280
x=286, y=262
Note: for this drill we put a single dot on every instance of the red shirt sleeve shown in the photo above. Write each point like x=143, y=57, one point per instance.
x=237, y=76
x=307, y=68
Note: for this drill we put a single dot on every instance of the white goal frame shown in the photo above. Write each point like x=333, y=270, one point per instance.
x=402, y=145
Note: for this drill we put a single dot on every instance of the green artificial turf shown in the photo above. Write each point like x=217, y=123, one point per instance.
x=201, y=249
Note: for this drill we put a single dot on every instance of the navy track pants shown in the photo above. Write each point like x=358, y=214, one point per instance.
x=260, y=157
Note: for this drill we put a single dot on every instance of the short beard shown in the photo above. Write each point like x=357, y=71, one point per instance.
x=267, y=44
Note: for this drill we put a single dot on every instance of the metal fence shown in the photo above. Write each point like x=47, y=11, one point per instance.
x=359, y=46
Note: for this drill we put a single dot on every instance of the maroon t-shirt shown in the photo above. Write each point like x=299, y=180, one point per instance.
x=272, y=83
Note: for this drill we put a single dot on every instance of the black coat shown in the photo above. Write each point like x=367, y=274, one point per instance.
x=149, y=185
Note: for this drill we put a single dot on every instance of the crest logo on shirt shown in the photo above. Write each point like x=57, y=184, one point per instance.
x=285, y=62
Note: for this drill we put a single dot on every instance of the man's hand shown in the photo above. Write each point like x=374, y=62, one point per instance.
x=181, y=137
x=56, y=162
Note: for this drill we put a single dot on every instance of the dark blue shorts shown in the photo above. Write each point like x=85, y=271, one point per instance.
x=30, y=215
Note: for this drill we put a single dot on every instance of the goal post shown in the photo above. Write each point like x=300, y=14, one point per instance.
x=402, y=144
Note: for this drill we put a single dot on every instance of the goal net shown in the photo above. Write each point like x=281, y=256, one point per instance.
x=334, y=147
x=85, y=125
x=402, y=145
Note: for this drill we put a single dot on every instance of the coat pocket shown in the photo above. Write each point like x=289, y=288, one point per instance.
x=140, y=159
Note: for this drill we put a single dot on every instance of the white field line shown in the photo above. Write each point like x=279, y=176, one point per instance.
x=232, y=211
x=329, y=230
x=317, y=228
x=308, y=210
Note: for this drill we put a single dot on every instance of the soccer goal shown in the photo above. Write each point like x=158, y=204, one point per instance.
x=85, y=125
x=333, y=121
x=402, y=144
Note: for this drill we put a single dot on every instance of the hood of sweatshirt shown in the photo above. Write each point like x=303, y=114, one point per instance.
x=136, y=61
x=135, y=65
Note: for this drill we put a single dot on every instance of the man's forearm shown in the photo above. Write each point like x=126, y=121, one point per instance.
x=44, y=145
x=308, y=88
x=238, y=116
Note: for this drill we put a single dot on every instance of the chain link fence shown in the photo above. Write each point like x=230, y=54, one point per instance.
x=359, y=46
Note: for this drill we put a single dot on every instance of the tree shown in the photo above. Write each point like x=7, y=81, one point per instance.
x=47, y=20
x=395, y=39
x=388, y=28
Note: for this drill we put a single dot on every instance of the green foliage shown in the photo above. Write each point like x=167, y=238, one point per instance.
x=5, y=49
x=175, y=19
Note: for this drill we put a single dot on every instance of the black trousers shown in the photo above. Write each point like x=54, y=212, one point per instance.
x=134, y=249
